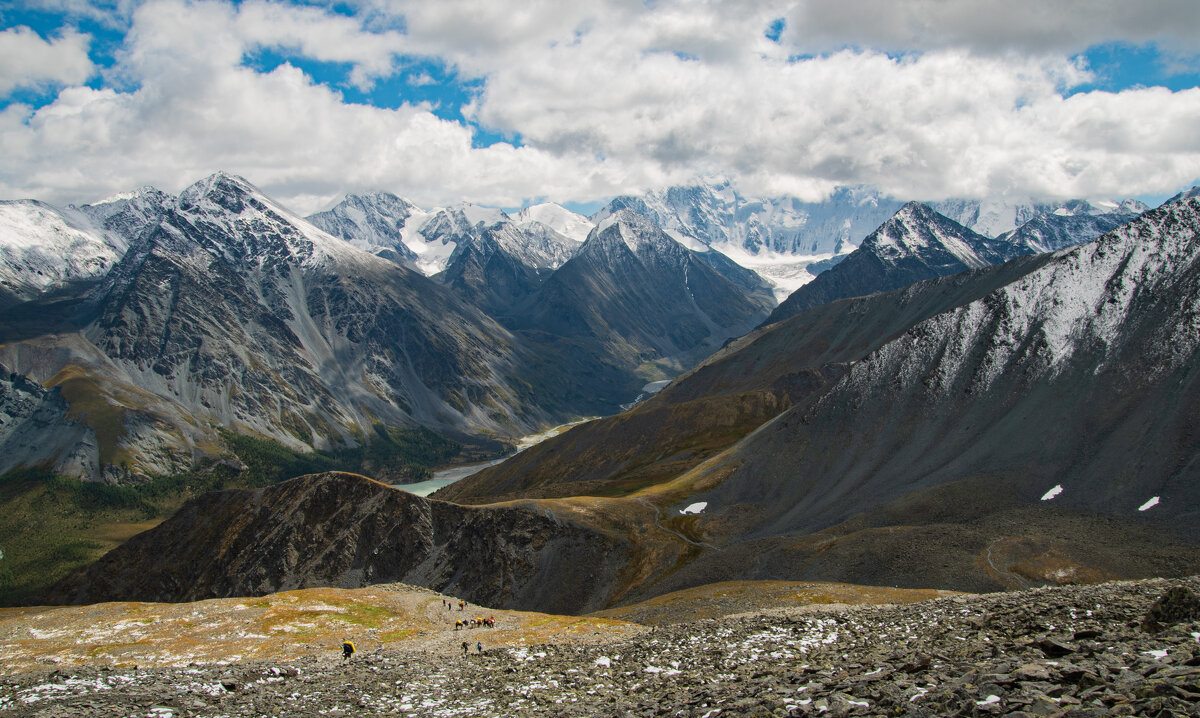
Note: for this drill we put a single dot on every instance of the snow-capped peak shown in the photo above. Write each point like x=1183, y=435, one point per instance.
x=558, y=218
x=637, y=232
x=916, y=230
x=42, y=246
x=229, y=200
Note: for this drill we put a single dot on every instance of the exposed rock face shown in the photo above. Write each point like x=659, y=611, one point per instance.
x=496, y=266
x=1025, y=423
x=1178, y=605
x=228, y=310
x=1063, y=652
x=35, y=429
x=349, y=531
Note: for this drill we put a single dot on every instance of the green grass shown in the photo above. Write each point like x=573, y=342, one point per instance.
x=394, y=455
x=50, y=525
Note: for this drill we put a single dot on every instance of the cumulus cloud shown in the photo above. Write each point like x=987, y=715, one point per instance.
x=26, y=60
x=197, y=109
x=611, y=96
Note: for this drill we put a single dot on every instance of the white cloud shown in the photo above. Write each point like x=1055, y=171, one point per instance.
x=608, y=97
x=26, y=60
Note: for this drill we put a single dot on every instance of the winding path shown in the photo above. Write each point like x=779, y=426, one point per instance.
x=1021, y=583
x=658, y=523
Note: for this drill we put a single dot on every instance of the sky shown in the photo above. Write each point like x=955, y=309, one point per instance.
x=508, y=103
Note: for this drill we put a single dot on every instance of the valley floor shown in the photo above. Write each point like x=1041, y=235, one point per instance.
x=1070, y=651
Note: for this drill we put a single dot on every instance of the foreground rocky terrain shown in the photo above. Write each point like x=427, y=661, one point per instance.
x=1065, y=651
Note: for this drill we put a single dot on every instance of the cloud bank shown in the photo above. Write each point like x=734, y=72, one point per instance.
x=923, y=99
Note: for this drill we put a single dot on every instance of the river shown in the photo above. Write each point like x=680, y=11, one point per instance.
x=445, y=477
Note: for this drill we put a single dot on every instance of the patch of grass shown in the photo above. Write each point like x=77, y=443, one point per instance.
x=361, y=614
x=393, y=455
x=398, y=635
x=51, y=525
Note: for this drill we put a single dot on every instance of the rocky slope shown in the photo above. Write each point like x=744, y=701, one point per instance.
x=1066, y=398
x=1032, y=422
x=734, y=391
x=43, y=249
x=1078, y=651
x=229, y=311
x=349, y=531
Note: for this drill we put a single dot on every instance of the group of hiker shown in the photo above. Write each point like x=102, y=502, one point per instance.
x=489, y=622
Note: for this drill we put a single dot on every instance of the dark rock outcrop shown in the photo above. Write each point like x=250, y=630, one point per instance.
x=345, y=530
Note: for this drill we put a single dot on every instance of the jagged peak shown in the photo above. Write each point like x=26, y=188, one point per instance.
x=218, y=184
x=631, y=227
x=917, y=228
x=915, y=209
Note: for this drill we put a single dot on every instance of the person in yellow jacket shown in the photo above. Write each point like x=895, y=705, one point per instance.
x=347, y=649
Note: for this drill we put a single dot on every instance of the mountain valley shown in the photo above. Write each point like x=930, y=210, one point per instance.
x=814, y=447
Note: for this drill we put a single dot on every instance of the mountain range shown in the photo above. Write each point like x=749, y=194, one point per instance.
x=155, y=322
x=1019, y=423
x=919, y=243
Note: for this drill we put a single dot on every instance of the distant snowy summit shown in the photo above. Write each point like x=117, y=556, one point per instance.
x=429, y=241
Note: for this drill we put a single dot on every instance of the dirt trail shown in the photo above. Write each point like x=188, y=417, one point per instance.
x=1003, y=574
x=659, y=524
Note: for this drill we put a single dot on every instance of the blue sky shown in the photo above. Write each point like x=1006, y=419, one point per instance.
x=509, y=104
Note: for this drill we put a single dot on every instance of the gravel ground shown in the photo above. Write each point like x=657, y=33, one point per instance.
x=1071, y=651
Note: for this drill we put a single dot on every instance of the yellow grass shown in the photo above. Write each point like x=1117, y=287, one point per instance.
x=281, y=626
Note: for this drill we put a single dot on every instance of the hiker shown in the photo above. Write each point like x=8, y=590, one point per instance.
x=479, y=647
x=461, y=605
x=458, y=625
x=347, y=649
x=465, y=648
